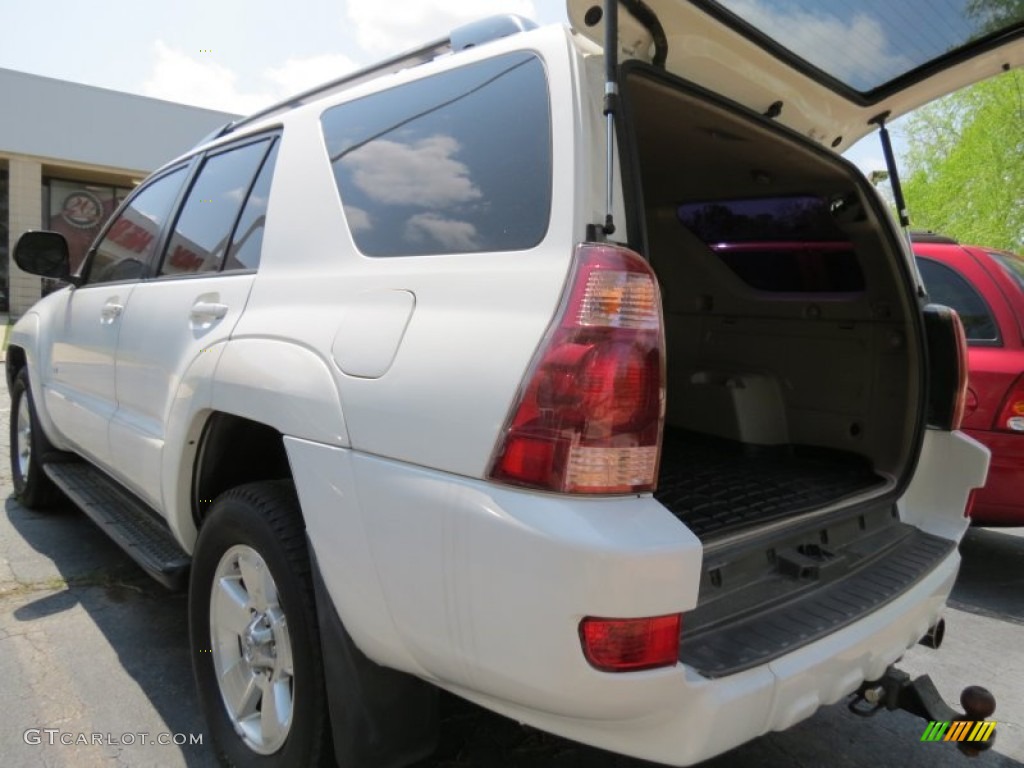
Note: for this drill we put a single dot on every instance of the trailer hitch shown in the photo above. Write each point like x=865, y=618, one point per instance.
x=895, y=690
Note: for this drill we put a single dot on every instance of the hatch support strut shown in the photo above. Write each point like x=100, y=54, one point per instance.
x=894, y=173
x=611, y=103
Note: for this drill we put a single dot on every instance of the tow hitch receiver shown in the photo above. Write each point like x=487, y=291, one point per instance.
x=895, y=690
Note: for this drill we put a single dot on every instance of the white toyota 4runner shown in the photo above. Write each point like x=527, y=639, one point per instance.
x=598, y=390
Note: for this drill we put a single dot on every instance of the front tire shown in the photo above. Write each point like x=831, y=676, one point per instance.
x=28, y=448
x=254, y=633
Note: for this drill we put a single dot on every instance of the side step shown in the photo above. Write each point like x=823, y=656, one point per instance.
x=124, y=518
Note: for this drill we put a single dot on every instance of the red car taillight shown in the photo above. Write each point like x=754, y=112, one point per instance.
x=1011, y=415
x=628, y=645
x=588, y=416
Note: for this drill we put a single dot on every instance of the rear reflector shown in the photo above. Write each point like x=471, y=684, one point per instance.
x=628, y=645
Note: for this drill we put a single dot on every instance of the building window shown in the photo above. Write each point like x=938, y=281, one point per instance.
x=78, y=210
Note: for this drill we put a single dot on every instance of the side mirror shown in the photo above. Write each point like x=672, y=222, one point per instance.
x=45, y=254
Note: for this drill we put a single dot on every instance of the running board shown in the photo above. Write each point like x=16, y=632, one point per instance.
x=126, y=519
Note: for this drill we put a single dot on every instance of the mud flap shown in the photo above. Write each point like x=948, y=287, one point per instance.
x=379, y=717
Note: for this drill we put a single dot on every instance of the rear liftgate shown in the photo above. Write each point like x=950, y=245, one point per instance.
x=895, y=689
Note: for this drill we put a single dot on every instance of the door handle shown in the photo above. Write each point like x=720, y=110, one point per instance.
x=110, y=311
x=206, y=311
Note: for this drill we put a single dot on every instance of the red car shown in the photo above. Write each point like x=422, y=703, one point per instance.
x=986, y=287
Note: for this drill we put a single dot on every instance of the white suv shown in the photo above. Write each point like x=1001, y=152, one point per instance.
x=420, y=382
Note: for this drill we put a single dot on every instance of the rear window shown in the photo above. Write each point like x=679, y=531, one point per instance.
x=779, y=244
x=947, y=286
x=455, y=163
x=867, y=44
x=1012, y=264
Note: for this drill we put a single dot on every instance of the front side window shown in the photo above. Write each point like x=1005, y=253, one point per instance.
x=946, y=286
x=128, y=249
x=455, y=163
x=201, y=233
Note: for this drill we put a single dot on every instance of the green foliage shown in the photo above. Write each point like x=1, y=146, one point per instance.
x=965, y=164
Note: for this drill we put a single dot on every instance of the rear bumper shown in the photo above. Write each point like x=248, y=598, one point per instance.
x=699, y=718
x=1001, y=501
x=480, y=589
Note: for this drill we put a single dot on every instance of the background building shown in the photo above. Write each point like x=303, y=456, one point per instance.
x=69, y=154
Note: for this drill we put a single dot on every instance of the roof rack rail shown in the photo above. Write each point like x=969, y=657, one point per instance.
x=460, y=38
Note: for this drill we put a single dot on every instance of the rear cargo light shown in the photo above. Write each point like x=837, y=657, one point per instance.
x=628, y=645
x=1011, y=415
x=589, y=413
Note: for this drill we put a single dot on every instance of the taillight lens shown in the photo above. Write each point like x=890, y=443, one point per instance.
x=628, y=645
x=960, y=401
x=947, y=364
x=589, y=414
x=1011, y=415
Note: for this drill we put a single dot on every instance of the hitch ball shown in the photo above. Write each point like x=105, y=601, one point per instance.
x=978, y=702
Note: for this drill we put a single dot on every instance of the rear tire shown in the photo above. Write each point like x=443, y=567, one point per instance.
x=28, y=449
x=254, y=632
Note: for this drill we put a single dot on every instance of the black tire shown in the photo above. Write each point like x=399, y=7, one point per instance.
x=263, y=517
x=32, y=487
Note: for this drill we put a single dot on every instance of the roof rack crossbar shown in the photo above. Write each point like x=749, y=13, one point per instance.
x=459, y=39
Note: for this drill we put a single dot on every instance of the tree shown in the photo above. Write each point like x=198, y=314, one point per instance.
x=965, y=164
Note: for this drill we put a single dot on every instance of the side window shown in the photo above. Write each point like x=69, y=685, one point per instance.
x=200, y=238
x=248, y=239
x=946, y=286
x=455, y=163
x=129, y=246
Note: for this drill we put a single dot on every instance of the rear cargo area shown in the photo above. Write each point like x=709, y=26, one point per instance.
x=793, y=367
x=717, y=486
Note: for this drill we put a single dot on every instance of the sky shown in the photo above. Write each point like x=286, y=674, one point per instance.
x=240, y=55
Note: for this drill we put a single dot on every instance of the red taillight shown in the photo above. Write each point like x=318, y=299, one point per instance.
x=960, y=404
x=970, y=502
x=628, y=645
x=588, y=416
x=1011, y=415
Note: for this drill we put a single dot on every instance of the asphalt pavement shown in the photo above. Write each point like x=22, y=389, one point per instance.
x=94, y=668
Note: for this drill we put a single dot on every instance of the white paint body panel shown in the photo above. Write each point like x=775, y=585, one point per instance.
x=161, y=338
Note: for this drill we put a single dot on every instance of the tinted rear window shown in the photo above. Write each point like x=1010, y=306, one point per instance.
x=779, y=244
x=1012, y=264
x=458, y=162
x=868, y=43
x=947, y=286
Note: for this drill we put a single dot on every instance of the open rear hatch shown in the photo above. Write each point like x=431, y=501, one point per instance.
x=794, y=335
x=827, y=68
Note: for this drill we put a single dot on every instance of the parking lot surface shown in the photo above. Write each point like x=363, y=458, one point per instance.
x=94, y=653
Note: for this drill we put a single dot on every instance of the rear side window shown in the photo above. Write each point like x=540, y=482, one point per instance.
x=247, y=243
x=455, y=163
x=129, y=245
x=946, y=286
x=200, y=238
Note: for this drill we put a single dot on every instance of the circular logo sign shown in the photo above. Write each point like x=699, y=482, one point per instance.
x=82, y=209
